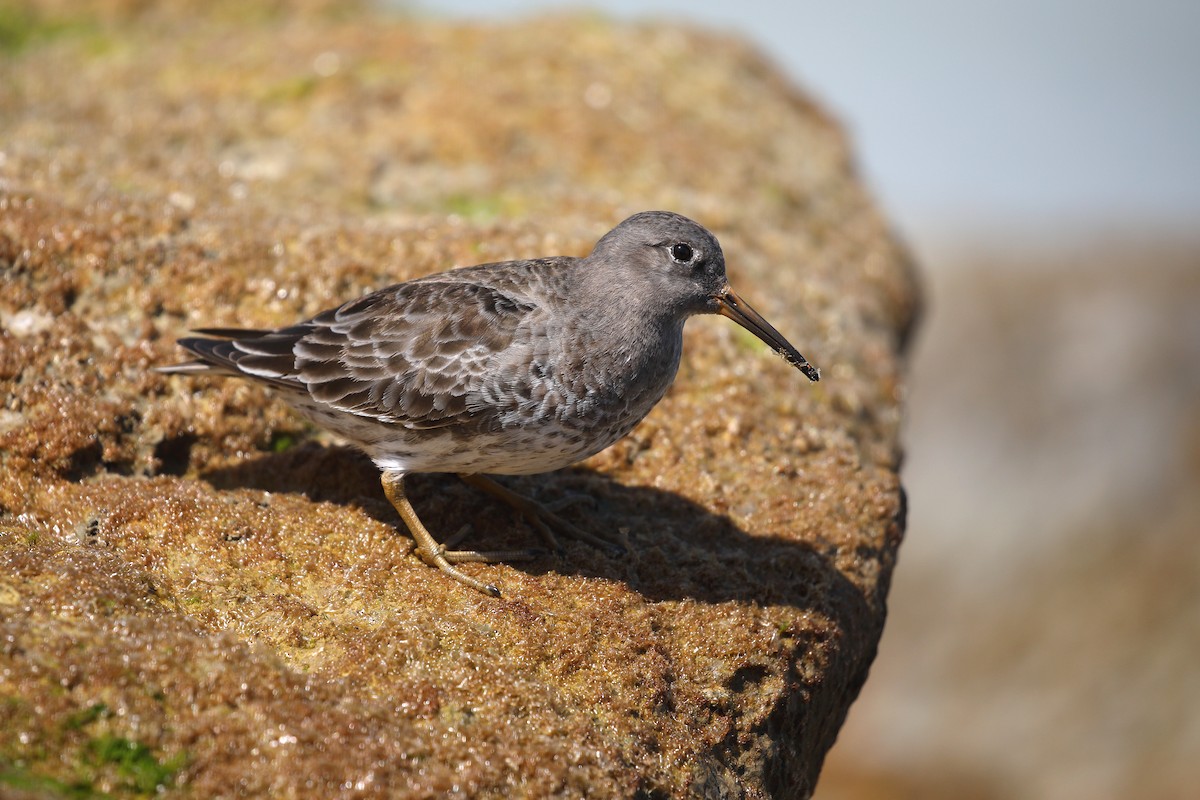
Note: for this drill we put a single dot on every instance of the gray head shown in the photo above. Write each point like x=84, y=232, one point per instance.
x=681, y=263
x=676, y=259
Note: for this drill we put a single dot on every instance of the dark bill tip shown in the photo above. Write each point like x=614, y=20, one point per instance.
x=738, y=310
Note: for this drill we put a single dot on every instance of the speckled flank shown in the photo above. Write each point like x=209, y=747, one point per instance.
x=511, y=452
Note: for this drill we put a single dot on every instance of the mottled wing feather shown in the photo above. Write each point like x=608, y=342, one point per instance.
x=414, y=354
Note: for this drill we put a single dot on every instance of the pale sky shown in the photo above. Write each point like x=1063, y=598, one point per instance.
x=985, y=114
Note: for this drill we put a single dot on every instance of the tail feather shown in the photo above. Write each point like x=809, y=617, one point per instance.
x=232, y=333
x=264, y=355
x=193, y=368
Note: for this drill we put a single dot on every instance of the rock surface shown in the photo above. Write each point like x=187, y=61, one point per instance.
x=202, y=594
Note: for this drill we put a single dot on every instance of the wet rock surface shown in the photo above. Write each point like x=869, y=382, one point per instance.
x=200, y=592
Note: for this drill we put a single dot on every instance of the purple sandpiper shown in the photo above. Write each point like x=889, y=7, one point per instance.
x=510, y=368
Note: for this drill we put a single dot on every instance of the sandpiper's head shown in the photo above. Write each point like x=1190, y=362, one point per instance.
x=682, y=268
x=666, y=258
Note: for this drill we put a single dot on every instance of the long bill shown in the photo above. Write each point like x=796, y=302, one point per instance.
x=738, y=310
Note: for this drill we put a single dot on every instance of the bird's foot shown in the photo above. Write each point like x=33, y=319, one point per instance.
x=545, y=521
x=569, y=500
x=437, y=555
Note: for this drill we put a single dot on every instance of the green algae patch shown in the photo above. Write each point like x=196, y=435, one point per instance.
x=25, y=25
x=80, y=756
x=137, y=767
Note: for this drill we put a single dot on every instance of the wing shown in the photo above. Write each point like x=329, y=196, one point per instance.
x=413, y=354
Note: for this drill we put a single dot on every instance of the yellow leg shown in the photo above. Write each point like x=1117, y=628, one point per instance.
x=542, y=518
x=437, y=555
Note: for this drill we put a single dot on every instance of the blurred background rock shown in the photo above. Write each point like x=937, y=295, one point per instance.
x=1041, y=158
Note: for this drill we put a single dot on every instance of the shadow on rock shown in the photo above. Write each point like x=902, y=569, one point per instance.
x=677, y=548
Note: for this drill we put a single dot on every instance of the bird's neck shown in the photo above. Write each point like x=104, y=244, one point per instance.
x=628, y=355
x=631, y=319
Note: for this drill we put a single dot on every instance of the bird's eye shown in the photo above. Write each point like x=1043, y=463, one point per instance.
x=681, y=253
